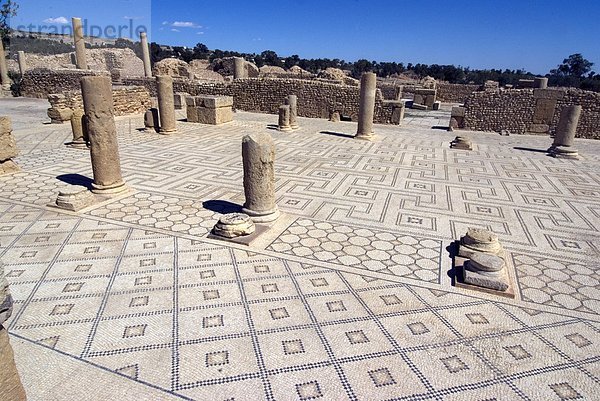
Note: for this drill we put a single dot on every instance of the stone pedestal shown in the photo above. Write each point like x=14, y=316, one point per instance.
x=461, y=142
x=208, y=109
x=284, y=118
x=366, y=110
x=258, y=155
x=8, y=147
x=480, y=240
x=104, y=148
x=564, y=137
x=233, y=225
x=79, y=42
x=292, y=101
x=22, y=62
x=145, y=54
x=74, y=198
x=79, y=128
x=166, y=104
x=179, y=99
x=4, y=79
x=238, y=68
x=540, y=82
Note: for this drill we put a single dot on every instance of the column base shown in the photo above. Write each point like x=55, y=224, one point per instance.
x=167, y=131
x=266, y=216
x=295, y=126
x=78, y=145
x=365, y=137
x=109, y=189
x=285, y=129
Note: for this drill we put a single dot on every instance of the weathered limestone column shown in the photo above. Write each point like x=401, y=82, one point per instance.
x=238, y=68
x=366, y=110
x=567, y=126
x=79, y=44
x=284, y=118
x=166, y=104
x=258, y=156
x=102, y=132
x=11, y=388
x=4, y=79
x=79, y=128
x=22, y=62
x=292, y=101
x=145, y=54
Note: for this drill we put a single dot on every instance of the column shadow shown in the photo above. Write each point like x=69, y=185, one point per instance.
x=76, y=179
x=338, y=134
x=222, y=206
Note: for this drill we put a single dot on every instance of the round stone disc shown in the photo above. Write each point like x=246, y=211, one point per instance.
x=486, y=262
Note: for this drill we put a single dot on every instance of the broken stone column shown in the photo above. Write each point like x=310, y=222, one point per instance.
x=4, y=79
x=79, y=128
x=8, y=147
x=292, y=101
x=540, y=82
x=151, y=120
x=238, y=68
x=11, y=388
x=566, y=129
x=22, y=62
x=145, y=54
x=258, y=156
x=233, y=225
x=80, y=59
x=284, y=118
x=102, y=133
x=461, y=142
x=166, y=104
x=366, y=110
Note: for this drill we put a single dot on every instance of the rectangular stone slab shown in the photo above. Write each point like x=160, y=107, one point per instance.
x=214, y=102
x=214, y=116
x=460, y=283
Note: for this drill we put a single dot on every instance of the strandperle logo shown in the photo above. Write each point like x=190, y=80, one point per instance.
x=127, y=30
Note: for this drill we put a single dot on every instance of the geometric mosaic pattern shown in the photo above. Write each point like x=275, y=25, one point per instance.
x=350, y=301
x=361, y=248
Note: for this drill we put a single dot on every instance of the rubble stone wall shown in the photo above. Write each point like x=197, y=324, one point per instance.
x=126, y=100
x=519, y=110
x=264, y=95
x=41, y=82
x=455, y=93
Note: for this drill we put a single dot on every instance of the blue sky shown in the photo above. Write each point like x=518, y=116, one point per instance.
x=533, y=35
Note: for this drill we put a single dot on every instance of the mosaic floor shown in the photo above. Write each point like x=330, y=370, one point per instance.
x=349, y=297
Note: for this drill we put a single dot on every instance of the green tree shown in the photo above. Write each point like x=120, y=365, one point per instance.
x=8, y=9
x=574, y=66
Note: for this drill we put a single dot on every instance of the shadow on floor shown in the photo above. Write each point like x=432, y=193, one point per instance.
x=440, y=127
x=76, y=179
x=221, y=206
x=531, y=149
x=340, y=134
x=452, y=253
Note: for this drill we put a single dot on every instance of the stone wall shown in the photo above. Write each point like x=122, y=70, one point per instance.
x=454, y=93
x=126, y=100
x=41, y=82
x=264, y=95
x=530, y=111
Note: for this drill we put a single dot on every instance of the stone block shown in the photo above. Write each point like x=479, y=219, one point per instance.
x=190, y=101
x=429, y=100
x=436, y=105
x=418, y=99
x=214, y=102
x=457, y=111
x=548, y=93
x=8, y=147
x=544, y=111
x=180, y=100
x=192, y=114
x=214, y=116
x=58, y=116
x=497, y=282
x=538, y=128
x=5, y=126
x=418, y=106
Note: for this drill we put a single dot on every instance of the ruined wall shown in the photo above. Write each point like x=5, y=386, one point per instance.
x=39, y=83
x=531, y=111
x=264, y=95
x=126, y=100
x=454, y=93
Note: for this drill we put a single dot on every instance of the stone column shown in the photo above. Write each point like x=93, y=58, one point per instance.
x=540, y=82
x=79, y=128
x=284, y=118
x=22, y=62
x=11, y=388
x=567, y=126
x=292, y=101
x=368, y=83
x=79, y=44
x=4, y=79
x=258, y=156
x=104, y=148
x=238, y=68
x=166, y=104
x=145, y=54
